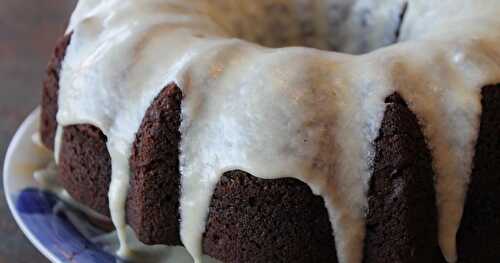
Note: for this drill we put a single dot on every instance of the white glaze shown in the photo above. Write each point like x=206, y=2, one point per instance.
x=286, y=112
x=57, y=143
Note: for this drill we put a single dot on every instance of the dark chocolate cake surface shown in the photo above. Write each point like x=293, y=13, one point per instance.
x=50, y=92
x=153, y=199
x=479, y=234
x=258, y=220
x=402, y=218
x=85, y=166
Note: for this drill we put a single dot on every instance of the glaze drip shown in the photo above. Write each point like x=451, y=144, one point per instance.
x=284, y=112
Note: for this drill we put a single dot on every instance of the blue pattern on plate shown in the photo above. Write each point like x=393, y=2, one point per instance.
x=55, y=231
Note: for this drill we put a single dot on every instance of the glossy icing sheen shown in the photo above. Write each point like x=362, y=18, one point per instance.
x=284, y=112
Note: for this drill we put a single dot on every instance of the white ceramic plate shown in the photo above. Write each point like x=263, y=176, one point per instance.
x=36, y=211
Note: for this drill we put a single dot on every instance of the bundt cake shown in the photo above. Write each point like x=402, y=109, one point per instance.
x=284, y=130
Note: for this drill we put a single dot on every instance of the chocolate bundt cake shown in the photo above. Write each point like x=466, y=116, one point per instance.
x=197, y=124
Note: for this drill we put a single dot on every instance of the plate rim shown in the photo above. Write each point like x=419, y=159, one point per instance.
x=20, y=134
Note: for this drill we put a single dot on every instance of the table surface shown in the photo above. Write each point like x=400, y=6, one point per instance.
x=28, y=31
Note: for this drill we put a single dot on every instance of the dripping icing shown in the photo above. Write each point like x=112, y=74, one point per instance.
x=319, y=116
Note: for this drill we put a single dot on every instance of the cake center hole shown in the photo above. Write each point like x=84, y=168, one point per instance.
x=348, y=26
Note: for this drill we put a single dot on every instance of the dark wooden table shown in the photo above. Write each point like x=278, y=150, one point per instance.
x=28, y=30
